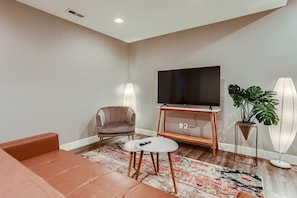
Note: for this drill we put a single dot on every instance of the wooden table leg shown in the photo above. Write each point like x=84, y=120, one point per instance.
x=139, y=165
x=157, y=162
x=134, y=159
x=154, y=163
x=214, y=152
x=172, y=172
x=130, y=163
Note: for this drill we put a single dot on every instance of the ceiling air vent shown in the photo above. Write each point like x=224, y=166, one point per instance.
x=74, y=13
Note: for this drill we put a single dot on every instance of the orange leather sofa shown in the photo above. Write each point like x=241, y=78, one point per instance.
x=36, y=167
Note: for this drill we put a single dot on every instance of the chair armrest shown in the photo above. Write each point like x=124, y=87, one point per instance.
x=100, y=118
x=32, y=146
x=131, y=116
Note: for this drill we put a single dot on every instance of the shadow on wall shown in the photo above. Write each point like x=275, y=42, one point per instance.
x=206, y=35
x=88, y=128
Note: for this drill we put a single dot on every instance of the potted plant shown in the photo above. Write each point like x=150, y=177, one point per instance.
x=254, y=104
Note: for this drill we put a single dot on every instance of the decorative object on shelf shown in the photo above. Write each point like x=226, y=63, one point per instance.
x=254, y=104
x=283, y=134
x=129, y=96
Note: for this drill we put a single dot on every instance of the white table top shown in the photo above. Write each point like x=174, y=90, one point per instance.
x=131, y=146
x=157, y=144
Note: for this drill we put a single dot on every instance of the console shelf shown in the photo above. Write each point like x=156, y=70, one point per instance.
x=212, y=142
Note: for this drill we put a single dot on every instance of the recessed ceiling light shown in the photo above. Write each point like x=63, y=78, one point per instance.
x=118, y=20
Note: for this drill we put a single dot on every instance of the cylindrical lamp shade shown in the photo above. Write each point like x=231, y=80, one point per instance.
x=283, y=134
x=129, y=96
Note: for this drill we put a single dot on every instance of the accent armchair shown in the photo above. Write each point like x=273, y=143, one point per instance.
x=115, y=121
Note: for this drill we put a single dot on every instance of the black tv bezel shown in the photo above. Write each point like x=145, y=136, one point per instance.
x=194, y=104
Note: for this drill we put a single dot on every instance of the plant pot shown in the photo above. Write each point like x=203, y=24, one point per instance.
x=245, y=128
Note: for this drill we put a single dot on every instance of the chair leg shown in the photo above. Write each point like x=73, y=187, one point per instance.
x=130, y=137
x=100, y=143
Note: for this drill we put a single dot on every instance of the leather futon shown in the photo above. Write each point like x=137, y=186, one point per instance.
x=36, y=167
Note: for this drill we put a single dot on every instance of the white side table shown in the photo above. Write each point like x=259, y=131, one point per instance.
x=157, y=145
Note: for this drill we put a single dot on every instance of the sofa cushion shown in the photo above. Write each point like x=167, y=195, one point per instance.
x=145, y=191
x=53, y=164
x=18, y=181
x=75, y=176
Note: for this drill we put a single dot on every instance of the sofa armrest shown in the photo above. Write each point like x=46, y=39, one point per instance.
x=100, y=118
x=32, y=146
x=16, y=181
x=244, y=195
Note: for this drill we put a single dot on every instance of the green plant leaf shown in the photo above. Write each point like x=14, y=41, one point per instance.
x=254, y=103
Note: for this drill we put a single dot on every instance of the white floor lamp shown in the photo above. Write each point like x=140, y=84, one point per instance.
x=283, y=134
x=129, y=96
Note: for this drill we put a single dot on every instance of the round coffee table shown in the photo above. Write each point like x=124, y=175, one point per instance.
x=132, y=148
x=157, y=145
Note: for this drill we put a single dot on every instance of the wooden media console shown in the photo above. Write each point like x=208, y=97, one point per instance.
x=212, y=142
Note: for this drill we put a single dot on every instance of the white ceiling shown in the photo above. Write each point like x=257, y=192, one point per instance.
x=150, y=18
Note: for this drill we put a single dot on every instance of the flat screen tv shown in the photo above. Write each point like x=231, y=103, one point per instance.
x=193, y=86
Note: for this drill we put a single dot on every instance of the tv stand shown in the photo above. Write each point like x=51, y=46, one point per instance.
x=212, y=142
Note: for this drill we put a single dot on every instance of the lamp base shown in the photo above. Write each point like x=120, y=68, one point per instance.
x=280, y=164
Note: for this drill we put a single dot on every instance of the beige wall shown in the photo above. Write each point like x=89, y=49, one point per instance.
x=54, y=75
x=252, y=50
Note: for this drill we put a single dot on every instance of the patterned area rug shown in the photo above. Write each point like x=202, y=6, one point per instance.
x=193, y=178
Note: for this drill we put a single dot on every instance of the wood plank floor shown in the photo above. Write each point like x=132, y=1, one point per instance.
x=278, y=183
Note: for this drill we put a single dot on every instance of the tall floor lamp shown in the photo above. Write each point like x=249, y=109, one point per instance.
x=283, y=134
x=129, y=96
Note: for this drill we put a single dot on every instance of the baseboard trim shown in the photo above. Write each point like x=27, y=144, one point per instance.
x=93, y=139
x=268, y=155
x=79, y=143
x=145, y=132
x=222, y=146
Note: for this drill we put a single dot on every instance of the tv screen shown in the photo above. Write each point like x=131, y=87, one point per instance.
x=193, y=86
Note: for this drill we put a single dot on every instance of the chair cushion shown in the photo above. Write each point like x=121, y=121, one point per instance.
x=116, y=128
